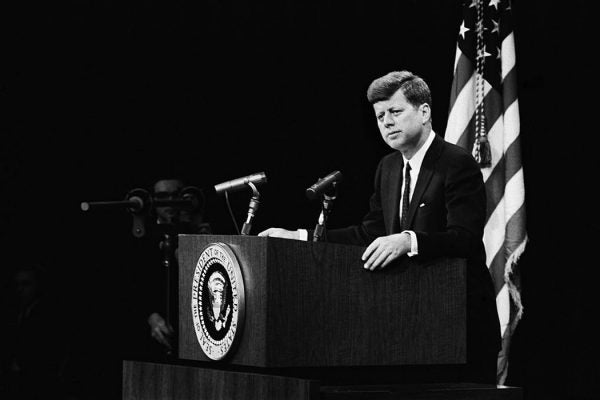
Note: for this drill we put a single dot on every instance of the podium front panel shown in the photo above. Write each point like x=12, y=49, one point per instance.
x=314, y=305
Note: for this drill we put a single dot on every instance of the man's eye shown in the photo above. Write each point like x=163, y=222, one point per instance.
x=380, y=117
x=396, y=112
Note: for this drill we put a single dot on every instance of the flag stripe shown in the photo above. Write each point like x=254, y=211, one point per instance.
x=509, y=88
x=501, y=174
x=512, y=125
x=503, y=305
x=497, y=269
x=516, y=194
x=515, y=234
x=508, y=60
x=460, y=115
x=462, y=75
x=493, y=233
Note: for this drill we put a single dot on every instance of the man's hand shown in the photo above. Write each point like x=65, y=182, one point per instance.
x=386, y=249
x=160, y=330
x=280, y=233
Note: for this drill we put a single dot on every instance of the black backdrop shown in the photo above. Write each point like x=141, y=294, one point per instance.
x=99, y=97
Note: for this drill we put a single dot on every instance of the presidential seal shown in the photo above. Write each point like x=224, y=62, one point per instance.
x=217, y=300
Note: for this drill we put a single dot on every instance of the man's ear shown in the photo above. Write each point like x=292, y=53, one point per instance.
x=425, y=112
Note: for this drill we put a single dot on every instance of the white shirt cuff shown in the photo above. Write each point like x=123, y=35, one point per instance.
x=303, y=234
x=414, y=246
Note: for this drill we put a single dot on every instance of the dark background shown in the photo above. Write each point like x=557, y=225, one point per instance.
x=100, y=97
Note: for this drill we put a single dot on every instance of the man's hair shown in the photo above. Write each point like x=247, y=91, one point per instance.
x=413, y=87
x=168, y=178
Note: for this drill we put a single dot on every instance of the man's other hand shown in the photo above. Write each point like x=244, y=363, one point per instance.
x=386, y=249
x=280, y=233
x=160, y=330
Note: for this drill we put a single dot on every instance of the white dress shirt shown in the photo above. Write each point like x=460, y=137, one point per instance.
x=415, y=167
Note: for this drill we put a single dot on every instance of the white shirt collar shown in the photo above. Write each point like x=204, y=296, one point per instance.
x=417, y=158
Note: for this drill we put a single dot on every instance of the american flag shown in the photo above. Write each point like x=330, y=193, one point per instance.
x=484, y=118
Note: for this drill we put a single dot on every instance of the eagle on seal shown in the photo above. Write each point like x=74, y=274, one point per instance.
x=218, y=311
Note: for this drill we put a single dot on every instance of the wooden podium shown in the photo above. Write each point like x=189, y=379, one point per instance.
x=313, y=304
x=309, y=309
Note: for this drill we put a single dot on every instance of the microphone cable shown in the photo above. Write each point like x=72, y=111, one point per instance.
x=237, y=229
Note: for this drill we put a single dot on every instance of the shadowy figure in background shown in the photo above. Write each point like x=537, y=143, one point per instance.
x=35, y=340
x=156, y=255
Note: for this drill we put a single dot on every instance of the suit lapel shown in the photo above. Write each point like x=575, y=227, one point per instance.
x=395, y=189
x=424, y=177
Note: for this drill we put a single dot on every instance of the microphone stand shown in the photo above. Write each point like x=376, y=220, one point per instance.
x=327, y=206
x=168, y=244
x=252, y=208
x=139, y=202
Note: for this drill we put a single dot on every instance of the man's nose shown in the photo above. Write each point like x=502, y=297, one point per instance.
x=388, y=120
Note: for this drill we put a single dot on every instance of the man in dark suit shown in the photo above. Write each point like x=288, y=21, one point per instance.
x=429, y=201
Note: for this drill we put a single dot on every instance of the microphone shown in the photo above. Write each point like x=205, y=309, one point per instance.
x=240, y=183
x=323, y=185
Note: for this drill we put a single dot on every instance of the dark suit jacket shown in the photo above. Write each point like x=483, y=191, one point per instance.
x=447, y=213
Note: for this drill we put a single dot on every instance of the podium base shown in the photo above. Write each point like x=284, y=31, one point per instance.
x=446, y=391
x=149, y=381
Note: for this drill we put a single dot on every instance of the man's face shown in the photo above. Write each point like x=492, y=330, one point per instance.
x=401, y=124
x=26, y=286
x=167, y=189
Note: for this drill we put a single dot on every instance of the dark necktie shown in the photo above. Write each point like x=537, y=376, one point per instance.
x=405, y=198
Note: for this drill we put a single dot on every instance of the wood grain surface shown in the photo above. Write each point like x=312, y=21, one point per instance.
x=149, y=381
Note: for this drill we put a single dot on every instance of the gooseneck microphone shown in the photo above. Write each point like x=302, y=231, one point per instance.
x=323, y=185
x=235, y=185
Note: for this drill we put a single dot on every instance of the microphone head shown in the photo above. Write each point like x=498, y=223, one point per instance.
x=258, y=178
x=323, y=185
x=241, y=183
